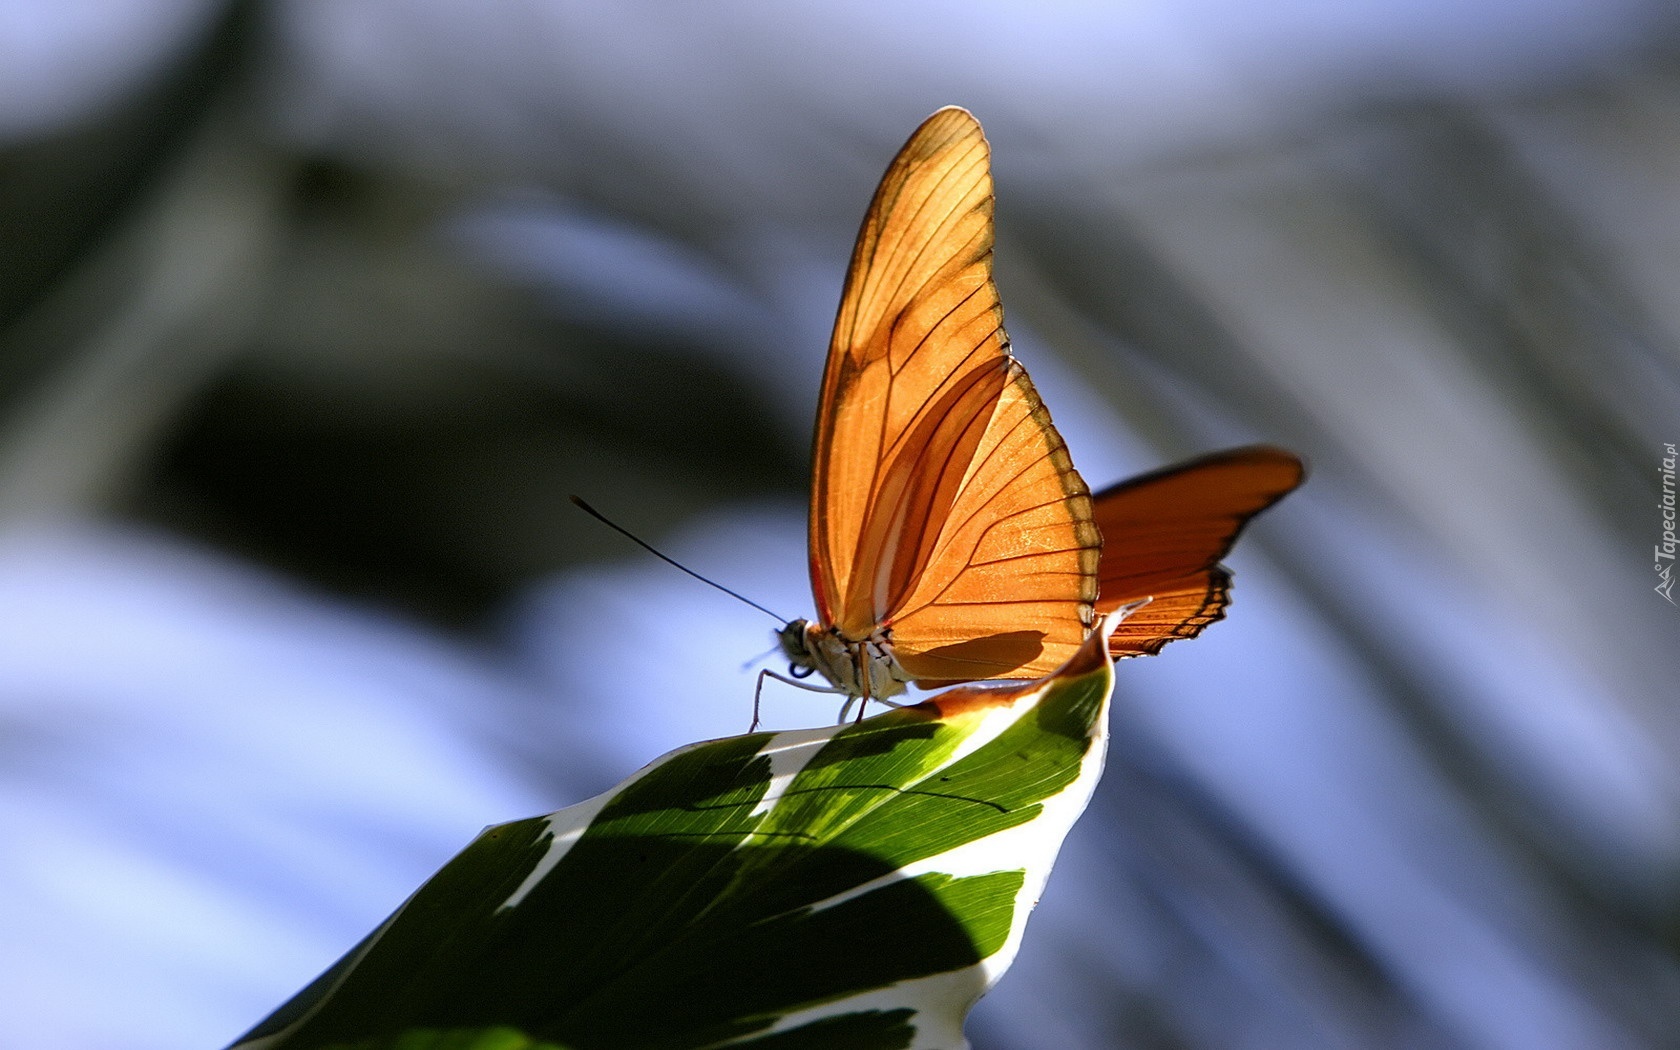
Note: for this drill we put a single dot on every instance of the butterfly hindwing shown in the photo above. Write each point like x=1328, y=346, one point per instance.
x=1165, y=532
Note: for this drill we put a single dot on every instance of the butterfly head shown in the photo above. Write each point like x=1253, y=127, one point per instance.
x=793, y=640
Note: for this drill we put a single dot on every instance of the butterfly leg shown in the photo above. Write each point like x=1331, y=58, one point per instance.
x=784, y=679
x=846, y=708
x=797, y=684
x=861, y=668
x=758, y=694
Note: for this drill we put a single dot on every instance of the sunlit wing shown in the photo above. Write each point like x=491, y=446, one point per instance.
x=944, y=505
x=1165, y=532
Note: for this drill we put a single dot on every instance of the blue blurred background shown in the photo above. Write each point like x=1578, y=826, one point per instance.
x=312, y=315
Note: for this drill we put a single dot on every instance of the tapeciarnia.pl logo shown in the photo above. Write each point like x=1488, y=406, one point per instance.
x=1663, y=553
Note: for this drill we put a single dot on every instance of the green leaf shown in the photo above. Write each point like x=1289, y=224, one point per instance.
x=857, y=886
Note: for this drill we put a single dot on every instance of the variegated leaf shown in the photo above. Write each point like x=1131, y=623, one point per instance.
x=858, y=886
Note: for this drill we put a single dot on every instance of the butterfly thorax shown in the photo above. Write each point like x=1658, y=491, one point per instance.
x=864, y=667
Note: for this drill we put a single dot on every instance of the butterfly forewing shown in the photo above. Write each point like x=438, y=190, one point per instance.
x=919, y=276
x=943, y=502
x=1164, y=533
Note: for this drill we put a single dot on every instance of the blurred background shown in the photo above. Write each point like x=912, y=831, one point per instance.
x=312, y=316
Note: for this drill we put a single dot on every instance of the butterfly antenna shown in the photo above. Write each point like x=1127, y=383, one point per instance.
x=638, y=541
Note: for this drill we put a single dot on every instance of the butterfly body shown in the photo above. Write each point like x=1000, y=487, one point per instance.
x=865, y=667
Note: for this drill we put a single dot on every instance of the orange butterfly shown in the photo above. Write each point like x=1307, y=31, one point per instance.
x=951, y=538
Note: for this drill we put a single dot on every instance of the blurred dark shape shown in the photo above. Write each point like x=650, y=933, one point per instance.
x=62, y=192
x=407, y=428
